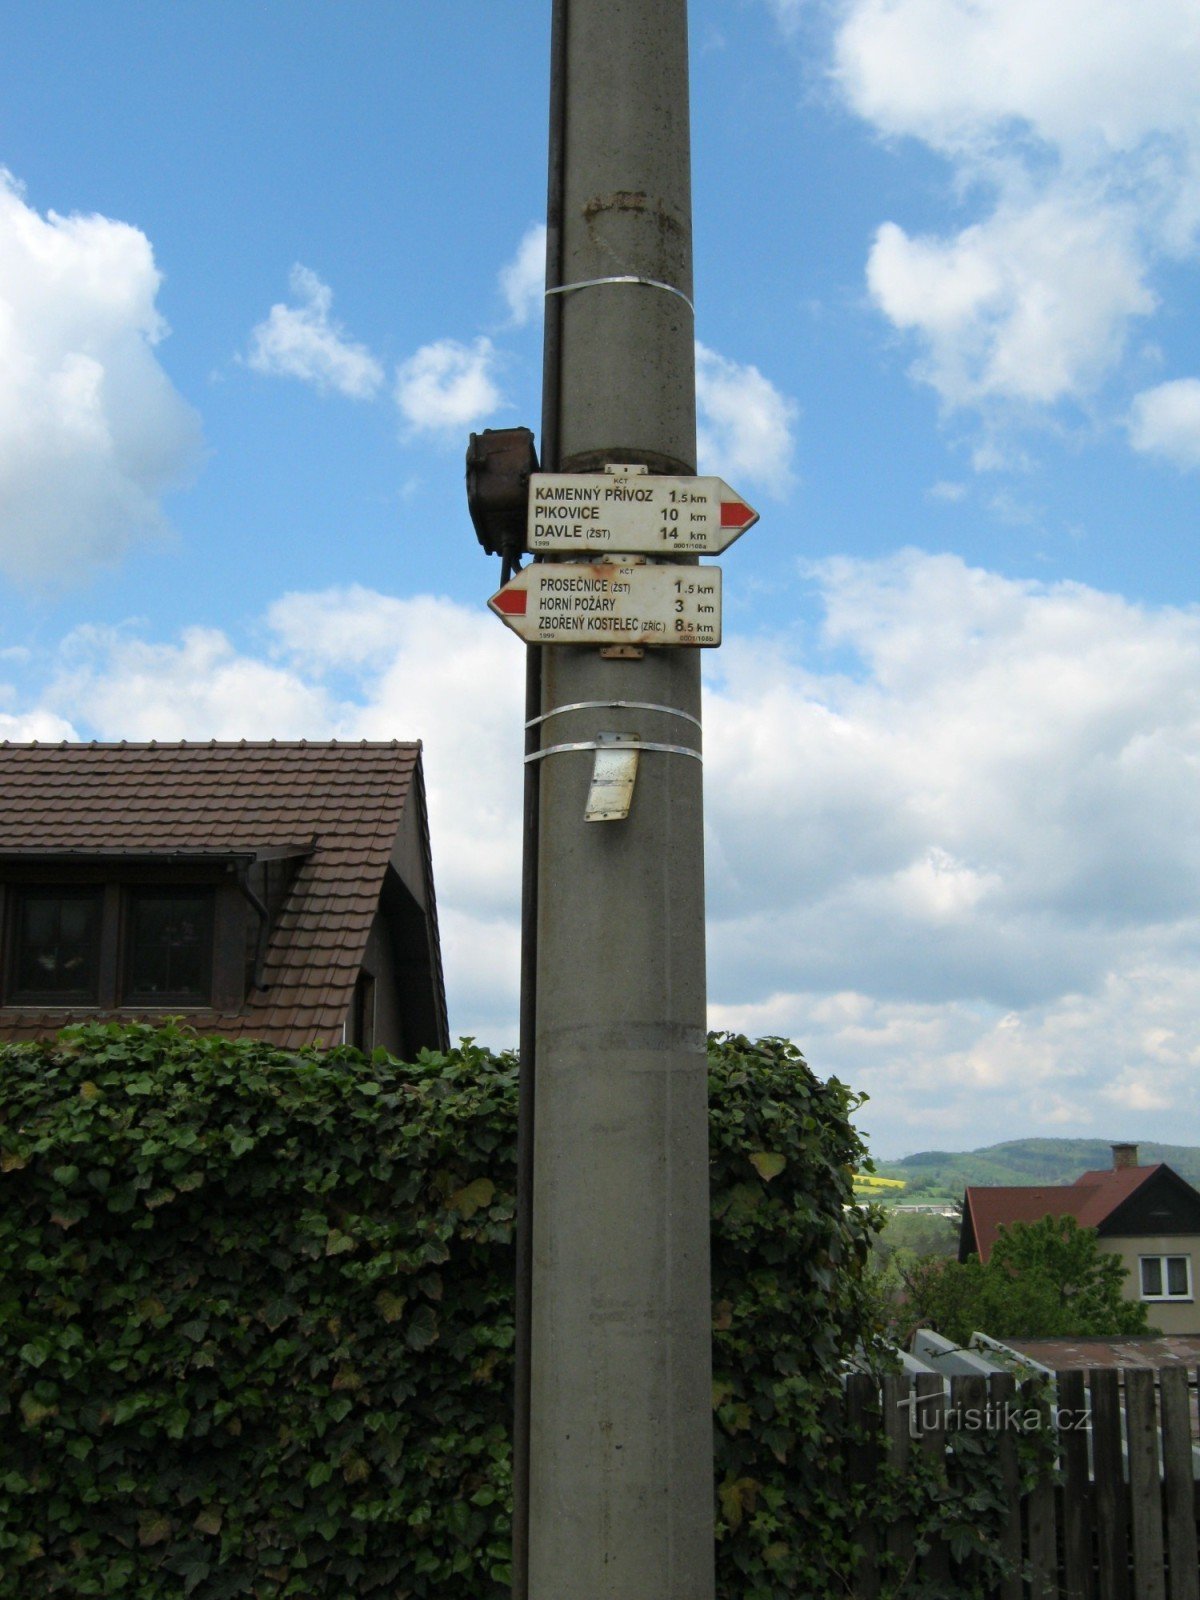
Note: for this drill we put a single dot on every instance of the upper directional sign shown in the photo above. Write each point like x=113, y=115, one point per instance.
x=612, y=602
x=636, y=513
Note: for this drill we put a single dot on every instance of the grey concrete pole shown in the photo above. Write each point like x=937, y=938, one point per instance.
x=620, y=1427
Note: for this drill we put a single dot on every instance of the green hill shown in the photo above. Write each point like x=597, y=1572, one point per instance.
x=1019, y=1161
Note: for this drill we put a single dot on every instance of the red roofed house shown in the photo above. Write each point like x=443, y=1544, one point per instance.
x=1147, y=1216
x=280, y=891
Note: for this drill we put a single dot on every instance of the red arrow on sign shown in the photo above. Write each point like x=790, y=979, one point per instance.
x=511, y=601
x=737, y=514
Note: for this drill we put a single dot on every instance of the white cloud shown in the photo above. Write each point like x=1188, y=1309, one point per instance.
x=523, y=280
x=1165, y=421
x=1118, y=1062
x=1072, y=129
x=43, y=726
x=92, y=434
x=447, y=385
x=352, y=627
x=123, y=687
x=1031, y=305
x=1004, y=788
x=965, y=861
x=302, y=342
x=985, y=833
x=1082, y=77
x=744, y=423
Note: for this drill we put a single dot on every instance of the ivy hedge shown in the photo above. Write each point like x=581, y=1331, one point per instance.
x=256, y=1319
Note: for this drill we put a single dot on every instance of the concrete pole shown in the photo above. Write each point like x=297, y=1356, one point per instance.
x=620, y=1428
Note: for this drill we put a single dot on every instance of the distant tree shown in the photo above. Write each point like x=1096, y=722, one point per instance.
x=1044, y=1280
x=921, y=1233
x=935, y=1292
x=921, y=1185
x=1059, y=1268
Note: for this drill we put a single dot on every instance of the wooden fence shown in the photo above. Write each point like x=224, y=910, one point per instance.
x=1115, y=1518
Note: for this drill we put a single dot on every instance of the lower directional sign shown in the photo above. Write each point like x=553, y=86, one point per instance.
x=612, y=603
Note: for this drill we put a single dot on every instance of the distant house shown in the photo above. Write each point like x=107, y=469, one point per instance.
x=279, y=891
x=1149, y=1217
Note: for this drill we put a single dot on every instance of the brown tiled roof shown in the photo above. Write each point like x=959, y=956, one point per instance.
x=1107, y=1189
x=341, y=804
x=991, y=1209
x=1090, y=1199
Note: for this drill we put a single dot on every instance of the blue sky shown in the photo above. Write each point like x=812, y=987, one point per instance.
x=263, y=269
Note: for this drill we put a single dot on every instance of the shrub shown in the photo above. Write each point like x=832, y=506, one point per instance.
x=790, y=1301
x=256, y=1318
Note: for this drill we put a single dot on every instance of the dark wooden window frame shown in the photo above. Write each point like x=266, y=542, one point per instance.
x=27, y=995
x=114, y=880
x=136, y=900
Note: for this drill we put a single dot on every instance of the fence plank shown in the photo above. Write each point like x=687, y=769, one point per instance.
x=1110, y=1499
x=1003, y=1394
x=1177, y=1475
x=1145, y=1489
x=934, y=1565
x=900, y=1546
x=968, y=1406
x=863, y=1455
x=1078, y=1581
x=1041, y=1512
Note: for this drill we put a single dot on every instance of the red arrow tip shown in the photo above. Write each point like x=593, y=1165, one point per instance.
x=736, y=514
x=511, y=601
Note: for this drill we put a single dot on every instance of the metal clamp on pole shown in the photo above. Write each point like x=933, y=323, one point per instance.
x=614, y=705
x=631, y=744
x=625, y=277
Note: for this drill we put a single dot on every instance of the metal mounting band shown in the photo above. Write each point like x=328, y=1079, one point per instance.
x=625, y=277
x=606, y=705
x=625, y=744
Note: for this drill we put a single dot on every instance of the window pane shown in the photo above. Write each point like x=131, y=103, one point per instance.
x=1151, y=1275
x=168, y=947
x=56, y=947
x=1177, y=1275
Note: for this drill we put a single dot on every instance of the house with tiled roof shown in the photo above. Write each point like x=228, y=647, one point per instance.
x=1148, y=1217
x=282, y=891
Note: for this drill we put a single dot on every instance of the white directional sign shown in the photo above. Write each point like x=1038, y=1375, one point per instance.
x=612, y=603
x=623, y=514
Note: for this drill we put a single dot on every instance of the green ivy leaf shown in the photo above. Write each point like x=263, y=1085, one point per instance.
x=153, y=1528
x=391, y=1306
x=472, y=1197
x=35, y=1353
x=34, y=1411
x=422, y=1328
x=767, y=1164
